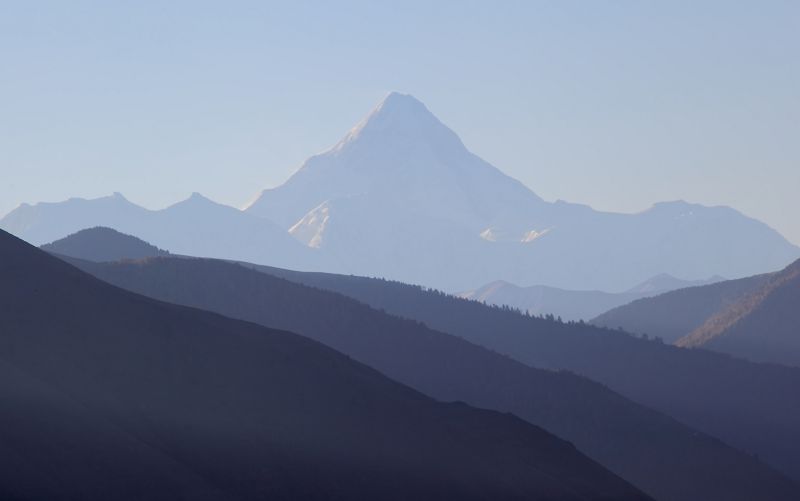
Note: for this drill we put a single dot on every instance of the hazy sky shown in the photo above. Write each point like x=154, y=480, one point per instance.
x=615, y=104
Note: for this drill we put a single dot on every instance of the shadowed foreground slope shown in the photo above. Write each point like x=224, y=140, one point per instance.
x=666, y=459
x=111, y=395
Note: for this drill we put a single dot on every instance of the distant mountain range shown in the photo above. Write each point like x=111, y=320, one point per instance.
x=573, y=305
x=756, y=318
x=196, y=226
x=661, y=456
x=401, y=197
x=110, y=395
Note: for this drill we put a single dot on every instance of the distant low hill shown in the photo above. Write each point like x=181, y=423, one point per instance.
x=571, y=304
x=675, y=314
x=764, y=325
x=105, y=394
x=101, y=244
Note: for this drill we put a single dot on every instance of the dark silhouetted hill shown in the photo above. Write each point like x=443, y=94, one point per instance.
x=656, y=453
x=110, y=395
x=101, y=244
x=754, y=407
x=763, y=326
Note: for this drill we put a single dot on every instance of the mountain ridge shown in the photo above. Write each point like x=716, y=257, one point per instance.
x=619, y=433
x=401, y=177
x=238, y=405
x=761, y=326
x=193, y=226
x=655, y=315
x=400, y=196
x=754, y=407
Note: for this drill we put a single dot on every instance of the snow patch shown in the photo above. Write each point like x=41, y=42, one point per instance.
x=311, y=228
x=532, y=235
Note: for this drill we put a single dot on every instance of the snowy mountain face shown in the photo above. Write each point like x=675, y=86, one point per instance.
x=400, y=196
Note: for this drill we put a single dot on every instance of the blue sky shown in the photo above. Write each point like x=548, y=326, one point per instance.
x=614, y=104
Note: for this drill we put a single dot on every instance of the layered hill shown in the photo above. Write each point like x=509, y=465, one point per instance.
x=111, y=395
x=675, y=314
x=400, y=196
x=196, y=226
x=763, y=326
x=754, y=318
x=571, y=304
x=754, y=407
x=666, y=459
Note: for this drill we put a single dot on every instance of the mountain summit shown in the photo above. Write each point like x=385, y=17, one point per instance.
x=402, y=118
x=400, y=161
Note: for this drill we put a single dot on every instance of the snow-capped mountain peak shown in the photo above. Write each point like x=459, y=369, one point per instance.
x=400, y=117
x=401, y=196
x=402, y=158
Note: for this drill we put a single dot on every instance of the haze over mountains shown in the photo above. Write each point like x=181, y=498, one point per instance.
x=755, y=407
x=401, y=197
x=654, y=452
x=208, y=378
x=235, y=266
x=110, y=395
